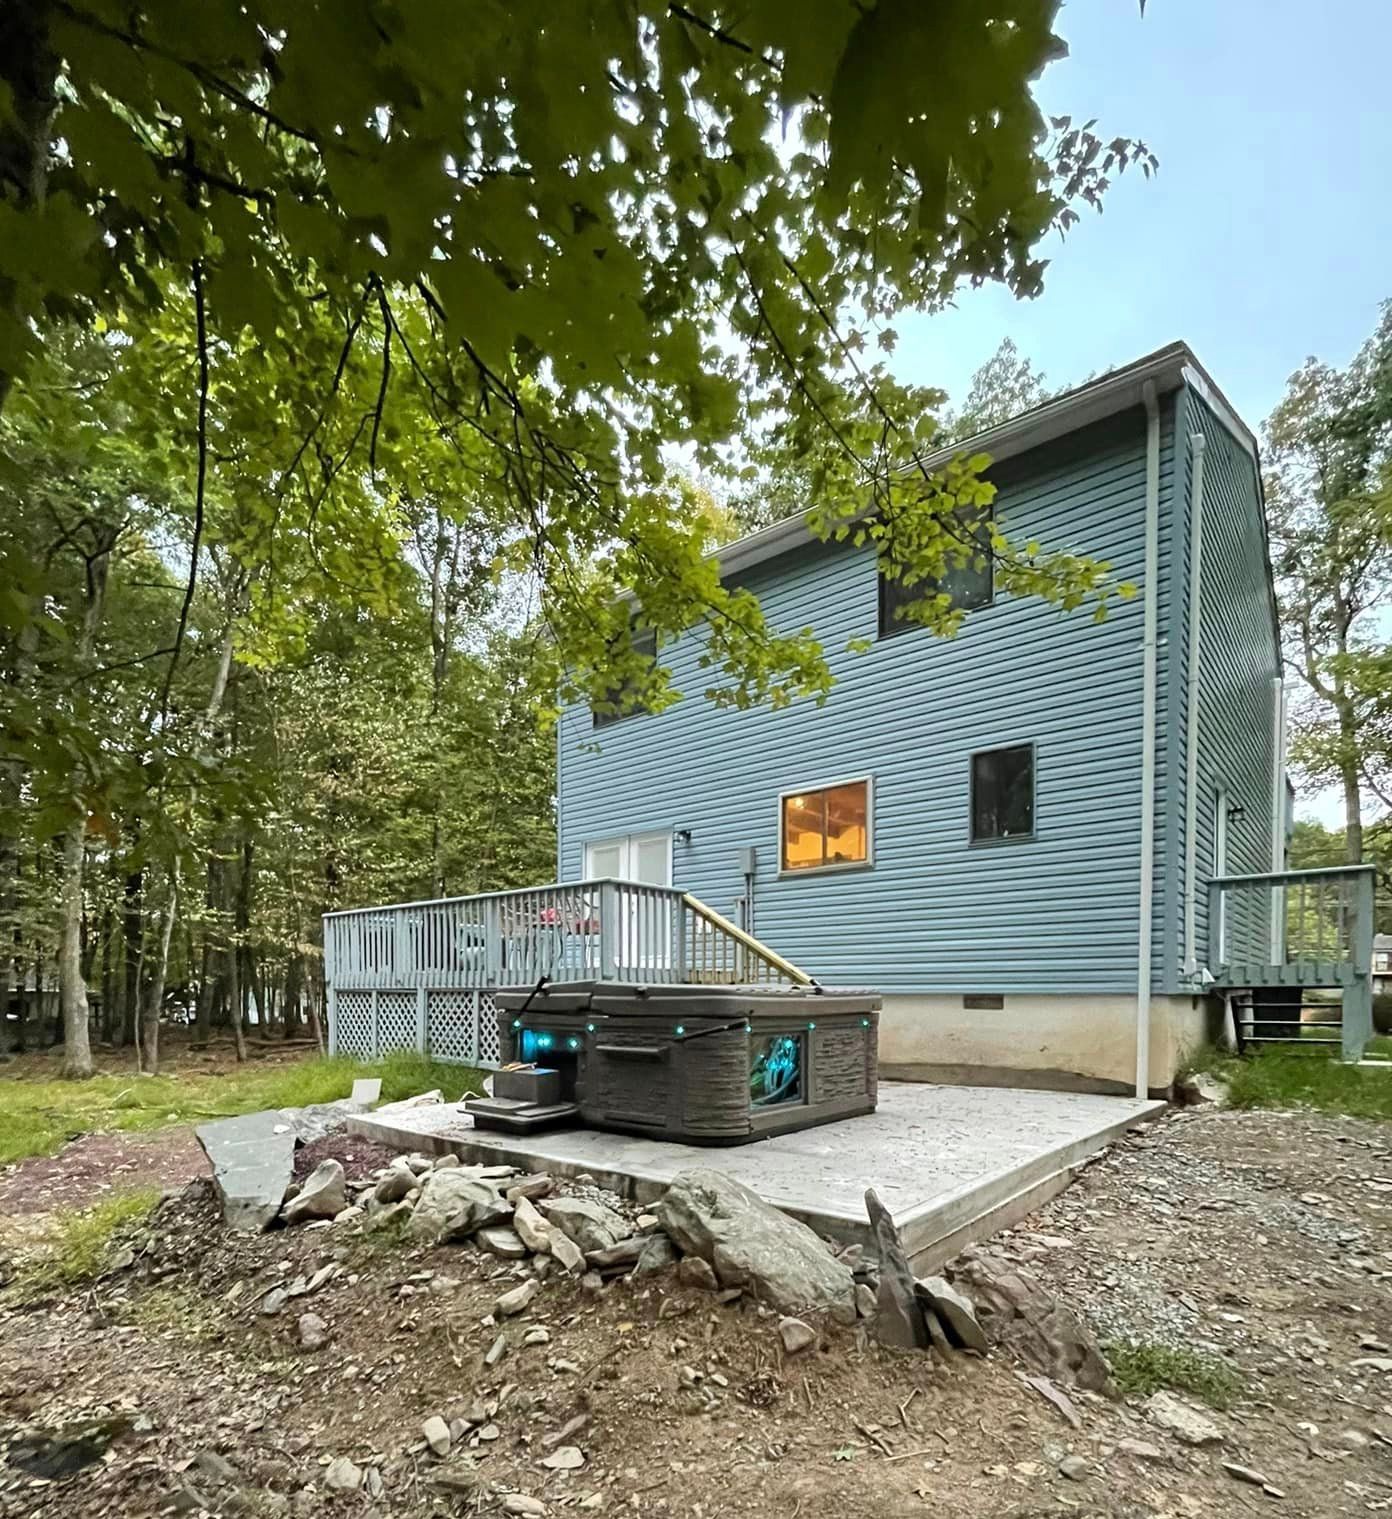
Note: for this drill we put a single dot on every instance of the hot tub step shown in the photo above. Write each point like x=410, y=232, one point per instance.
x=516, y=1117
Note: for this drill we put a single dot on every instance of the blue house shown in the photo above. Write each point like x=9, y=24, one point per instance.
x=1011, y=833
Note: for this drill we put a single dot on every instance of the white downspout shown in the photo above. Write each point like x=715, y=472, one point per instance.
x=1197, y=442
x=1149, y=658
x=1278, y=815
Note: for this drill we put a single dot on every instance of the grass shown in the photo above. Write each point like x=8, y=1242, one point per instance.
x=38, y=1117
x=180, y=1311
x=1141, y=1369
x=80, y=1244
x=1289, y=1077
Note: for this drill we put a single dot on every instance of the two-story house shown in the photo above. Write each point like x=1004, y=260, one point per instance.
x=1007, y=833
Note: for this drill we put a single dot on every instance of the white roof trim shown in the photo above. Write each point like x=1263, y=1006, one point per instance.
x=1167, y=368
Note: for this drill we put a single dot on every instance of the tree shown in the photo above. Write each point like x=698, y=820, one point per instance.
x=1005, y=386
x=622, y=229
x=1329, y=502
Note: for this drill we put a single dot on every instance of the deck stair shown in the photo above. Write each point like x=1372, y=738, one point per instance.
x=1276, y=939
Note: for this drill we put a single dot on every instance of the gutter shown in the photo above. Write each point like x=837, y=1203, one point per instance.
x=1278, y=814
x=1193, y=667
x=1149, y=663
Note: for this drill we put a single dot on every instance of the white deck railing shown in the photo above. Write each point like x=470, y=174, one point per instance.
x=421, y=975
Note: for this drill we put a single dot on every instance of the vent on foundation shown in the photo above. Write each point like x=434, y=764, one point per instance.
x=984, y=1003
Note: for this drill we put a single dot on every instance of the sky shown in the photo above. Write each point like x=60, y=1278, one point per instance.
x=1265, y=237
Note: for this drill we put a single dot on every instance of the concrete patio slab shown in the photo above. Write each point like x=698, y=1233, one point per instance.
x=953, y=1164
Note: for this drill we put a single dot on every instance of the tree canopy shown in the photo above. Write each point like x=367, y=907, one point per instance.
x=1329, y=501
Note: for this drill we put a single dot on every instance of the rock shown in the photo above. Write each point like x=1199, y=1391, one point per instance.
x=373, y=1484
x=323, y=1195
x=1182, y=1420
x=523, y=1506
x=899, y=1317
x=692, y=1271
x=572, y=1427
x=341, y=1476
x=532, y=1228
x=388, y=1217
x=1017, y=1311
x=496, y=1351
x=1352, y=1439
x=954, y=1312
x=449, y=1162
x=441, y=1286
x=565, y=1252
x=867, y=1304
x=418, y=1163
x=215, y=1466
x=530, y=1187
x=592, y=1283
x=796, y=1335
x=252, y=1159
x=350, y=1215
x=1201, y=1087
x=318, y=1119
x=614, y=1260
x=500, y=1239
x=398, y=1181
x=1250, y=1474
x=658, y=1254
x=1140, y=1450
x=518, y=1299
x=314, y=1332
x=186, y=1499
x=645, y=1223
x=750, y=1244
x=591, y=1225
x=436, y=1434
x=490, y=1432
x=453, y=1206
x=537, y=1336
x=274, y=1301
x=565, y=1458
x=1073, y=1467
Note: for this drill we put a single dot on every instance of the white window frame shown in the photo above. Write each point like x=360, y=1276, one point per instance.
x=796, y=872
x=628, y=844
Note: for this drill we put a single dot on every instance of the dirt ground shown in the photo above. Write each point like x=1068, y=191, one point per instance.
x=1264, y=1239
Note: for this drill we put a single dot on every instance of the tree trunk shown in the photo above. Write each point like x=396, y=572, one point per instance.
x=72, y=989
x=133, y=933
x=1351, y=782
x=154, y=990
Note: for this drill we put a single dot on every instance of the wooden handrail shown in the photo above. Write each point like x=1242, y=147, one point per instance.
x=749, y=942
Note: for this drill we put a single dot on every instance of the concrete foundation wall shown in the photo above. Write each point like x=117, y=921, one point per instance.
x=1080, y=1043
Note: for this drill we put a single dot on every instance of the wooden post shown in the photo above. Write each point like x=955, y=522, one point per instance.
x=422, y=1021
x=608, y=931
x=376, y=1045
x=1358, y=997
x=1215, y=927
x=333, y=1018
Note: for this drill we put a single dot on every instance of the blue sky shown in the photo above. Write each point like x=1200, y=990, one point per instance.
x=1265, y=236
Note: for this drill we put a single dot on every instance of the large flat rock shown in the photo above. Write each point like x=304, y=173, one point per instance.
x=252, y=1159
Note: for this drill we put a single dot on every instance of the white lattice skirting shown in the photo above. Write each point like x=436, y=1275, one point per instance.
x=459, y=1025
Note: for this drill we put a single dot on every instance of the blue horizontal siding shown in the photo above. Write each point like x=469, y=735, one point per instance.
x=933, y=914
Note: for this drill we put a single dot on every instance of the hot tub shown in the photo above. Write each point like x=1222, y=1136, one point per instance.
x=701, y=1064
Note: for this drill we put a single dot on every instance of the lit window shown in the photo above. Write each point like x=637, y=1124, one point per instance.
x=826, y=827
x=1002, y=793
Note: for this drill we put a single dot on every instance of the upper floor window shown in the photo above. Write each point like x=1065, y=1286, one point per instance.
x=826, y=827
x=968, y=585
x=1002, y=794
x=622, y=700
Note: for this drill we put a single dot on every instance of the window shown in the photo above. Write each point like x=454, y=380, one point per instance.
x=1002, y=794
x=968, y=585
x=825, y=828
x=622, y=701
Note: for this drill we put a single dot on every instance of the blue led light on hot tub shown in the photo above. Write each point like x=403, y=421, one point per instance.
x=680, y=1029
x=572, y=1043
x=589, y=1028
x=811, y=1024
x=517, y=1023
x=865, y=1023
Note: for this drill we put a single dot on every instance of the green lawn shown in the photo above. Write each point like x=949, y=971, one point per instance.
x=1289, y=1077
x=38, y=1116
